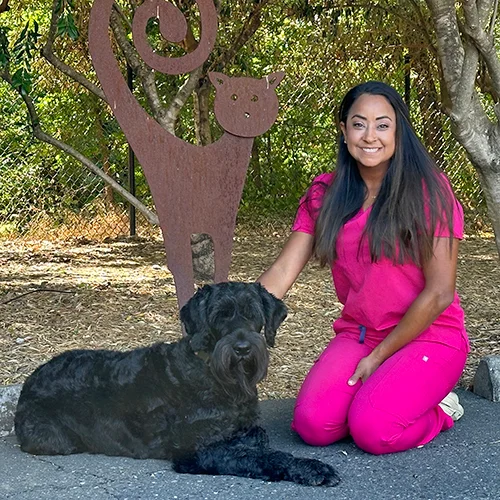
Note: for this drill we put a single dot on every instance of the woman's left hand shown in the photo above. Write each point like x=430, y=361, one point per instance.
x=364, y=369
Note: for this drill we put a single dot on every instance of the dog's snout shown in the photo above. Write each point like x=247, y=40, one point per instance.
x=242, y=348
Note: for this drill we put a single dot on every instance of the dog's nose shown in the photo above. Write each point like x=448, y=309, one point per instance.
x=242, y=348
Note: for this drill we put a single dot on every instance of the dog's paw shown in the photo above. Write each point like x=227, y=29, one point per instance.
x=310, y=472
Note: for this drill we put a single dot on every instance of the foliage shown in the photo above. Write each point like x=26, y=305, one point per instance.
x=20, y=56
x=325, y=47
x=66, y=23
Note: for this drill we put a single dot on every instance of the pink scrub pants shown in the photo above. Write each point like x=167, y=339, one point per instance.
x=394, y=410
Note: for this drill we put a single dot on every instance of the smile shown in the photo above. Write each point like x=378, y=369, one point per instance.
x=370, y=150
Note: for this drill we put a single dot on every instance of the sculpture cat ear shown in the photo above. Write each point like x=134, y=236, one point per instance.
x=274, y=79
x=218, y=79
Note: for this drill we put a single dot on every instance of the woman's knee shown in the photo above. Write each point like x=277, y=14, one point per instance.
x=374, y=431
x=315, y=429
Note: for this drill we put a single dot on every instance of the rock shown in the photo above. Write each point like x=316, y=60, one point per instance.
x=487, y=378
x=9, y=394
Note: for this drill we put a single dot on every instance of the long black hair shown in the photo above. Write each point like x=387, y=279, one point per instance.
x=413, y=200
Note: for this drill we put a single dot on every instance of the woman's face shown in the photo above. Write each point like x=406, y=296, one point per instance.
x=370, y=131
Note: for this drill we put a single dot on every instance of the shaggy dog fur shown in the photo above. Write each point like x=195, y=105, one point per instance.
x=193, y=402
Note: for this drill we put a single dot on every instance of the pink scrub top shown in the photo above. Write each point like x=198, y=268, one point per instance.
x=377, y=295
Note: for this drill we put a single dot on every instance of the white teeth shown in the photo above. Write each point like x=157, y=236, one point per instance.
x=370, y=150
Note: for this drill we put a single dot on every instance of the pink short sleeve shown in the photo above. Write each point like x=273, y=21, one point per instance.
x=310, y=204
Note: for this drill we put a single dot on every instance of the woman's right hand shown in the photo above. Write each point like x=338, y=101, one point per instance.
x=365, y=368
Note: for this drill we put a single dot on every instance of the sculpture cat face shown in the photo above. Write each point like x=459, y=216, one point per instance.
x=246, y=107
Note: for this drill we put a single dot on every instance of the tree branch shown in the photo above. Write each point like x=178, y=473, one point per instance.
x=4, y=6
x=459, y=61
x=145, y=74
x=251, y=25
x=48, y=53
x=165, y=116
x=487, y=13
x=122, y=15
x=466, y=87
x=43, y=136
x=148, y=214
x=170, y=115
x=483, y=41
x=494, y=17
x=450, y=47
x=471, y=14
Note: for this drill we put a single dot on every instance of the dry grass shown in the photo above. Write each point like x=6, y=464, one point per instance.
x=120, y=295
x=97, y=221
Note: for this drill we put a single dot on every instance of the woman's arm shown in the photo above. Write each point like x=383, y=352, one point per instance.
x=295, y=254
x=440, y=278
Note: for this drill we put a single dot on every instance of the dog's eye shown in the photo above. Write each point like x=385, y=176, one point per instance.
x=251, y=312
x=224, y=314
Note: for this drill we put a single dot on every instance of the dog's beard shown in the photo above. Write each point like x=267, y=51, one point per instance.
x=239, y=375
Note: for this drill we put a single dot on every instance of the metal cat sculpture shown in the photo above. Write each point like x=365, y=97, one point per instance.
x=196, y=189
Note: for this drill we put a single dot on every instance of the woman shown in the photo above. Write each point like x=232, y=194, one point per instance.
x=387, y=222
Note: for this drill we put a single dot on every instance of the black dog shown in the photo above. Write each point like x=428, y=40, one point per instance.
x=194, y=401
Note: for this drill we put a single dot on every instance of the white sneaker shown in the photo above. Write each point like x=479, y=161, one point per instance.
x=451, y=406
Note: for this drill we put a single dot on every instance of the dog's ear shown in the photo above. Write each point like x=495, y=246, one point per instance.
x=194, y=318
x=275, y=312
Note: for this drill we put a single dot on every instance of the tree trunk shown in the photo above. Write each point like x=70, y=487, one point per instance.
x=490, y=181
x=201, y=113
x=202, y=247
x=255, y=167
x=460, y=49
x=202, y=252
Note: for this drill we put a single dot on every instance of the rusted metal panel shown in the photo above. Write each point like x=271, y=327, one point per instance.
x=196, y=189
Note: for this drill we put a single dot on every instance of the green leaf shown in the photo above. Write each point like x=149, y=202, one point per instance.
x=72, y=29
x=61, y=26
x=66, y=26
x=59, y=6
x=22, y=80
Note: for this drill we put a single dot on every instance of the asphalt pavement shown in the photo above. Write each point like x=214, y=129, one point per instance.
x=462, y=463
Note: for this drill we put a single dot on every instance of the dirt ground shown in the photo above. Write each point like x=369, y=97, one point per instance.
x=120, y=295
